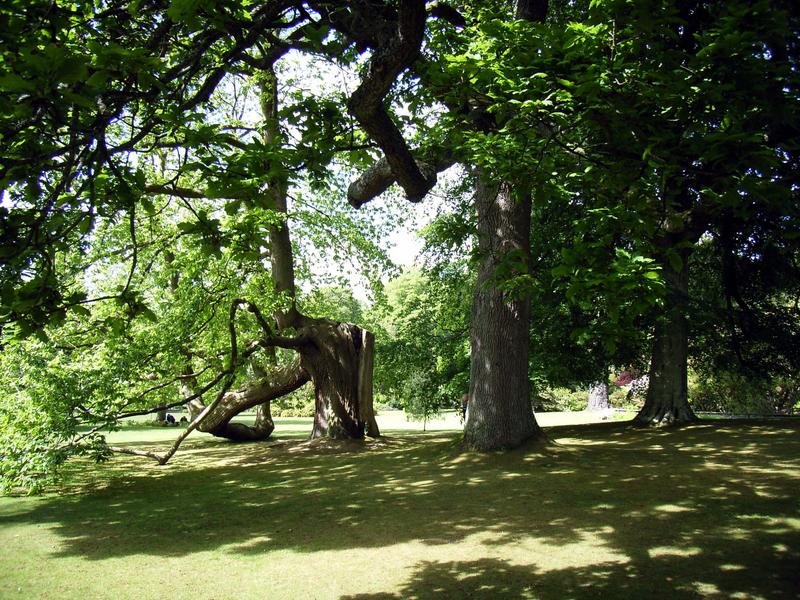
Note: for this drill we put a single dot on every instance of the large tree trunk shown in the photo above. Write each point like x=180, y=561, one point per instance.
x=667, y=400
x=500, y=413
x=340, y=366
x=336, y=357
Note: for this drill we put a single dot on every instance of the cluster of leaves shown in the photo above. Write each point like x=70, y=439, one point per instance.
x=745, y=312
x=558, y=399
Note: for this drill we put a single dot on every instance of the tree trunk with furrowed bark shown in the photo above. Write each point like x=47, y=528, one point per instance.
x=500, y=413
x=342, y=386
x=667, y=401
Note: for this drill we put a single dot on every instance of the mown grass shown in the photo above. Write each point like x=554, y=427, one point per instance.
x=604, y=511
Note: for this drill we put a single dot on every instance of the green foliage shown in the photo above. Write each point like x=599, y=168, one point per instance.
x=559, y=399
x=638, y=127
x=594, y=294
x=422, y=348
x=745, y=316
x=41, y=395
x=738, y=394
x=333, y=302
x=299, y=403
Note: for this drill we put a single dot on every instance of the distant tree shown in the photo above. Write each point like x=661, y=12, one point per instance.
x=419, y=400
x=334, y=302
x=708, y=123
x=424, y=341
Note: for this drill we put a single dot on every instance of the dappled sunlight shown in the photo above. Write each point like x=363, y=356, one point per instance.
x=673, y=508
x=660, y=551
x=618, y=513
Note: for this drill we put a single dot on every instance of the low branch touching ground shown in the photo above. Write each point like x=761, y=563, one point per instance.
x=229, y=375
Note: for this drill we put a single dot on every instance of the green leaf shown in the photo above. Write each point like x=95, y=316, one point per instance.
x=148, y=314
x=82, y=310
x=14, y=83
x=147, y=205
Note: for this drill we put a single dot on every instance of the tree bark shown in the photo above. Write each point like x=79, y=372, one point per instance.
x=500, y=413
x=667, y=401
x=598, y=396
x=277, y=382
x=365, y=382
x=343, y=407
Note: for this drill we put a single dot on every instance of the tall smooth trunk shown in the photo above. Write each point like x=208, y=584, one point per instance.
x=338, y=357
x=500, y=413
x=667, y=401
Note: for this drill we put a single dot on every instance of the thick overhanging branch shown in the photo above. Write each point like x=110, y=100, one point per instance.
x=183, y=401
x=444, y=11
x=394, y=167
x=281, y=380
x=377, y=178
x=532, y=10
x=183, y=192
x=367, y=102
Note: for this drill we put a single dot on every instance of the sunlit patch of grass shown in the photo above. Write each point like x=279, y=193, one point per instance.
x=660, y=551
x=602, y=511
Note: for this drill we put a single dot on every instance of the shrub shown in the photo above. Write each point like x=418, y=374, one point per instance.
x=300, y=403
x=560, y=399
x=736, y=393
x=619, y=399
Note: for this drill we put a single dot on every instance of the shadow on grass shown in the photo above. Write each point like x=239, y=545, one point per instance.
x=704, y=511
x=493, y=578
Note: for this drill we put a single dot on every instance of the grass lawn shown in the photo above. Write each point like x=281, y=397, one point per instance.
x=708, y=511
